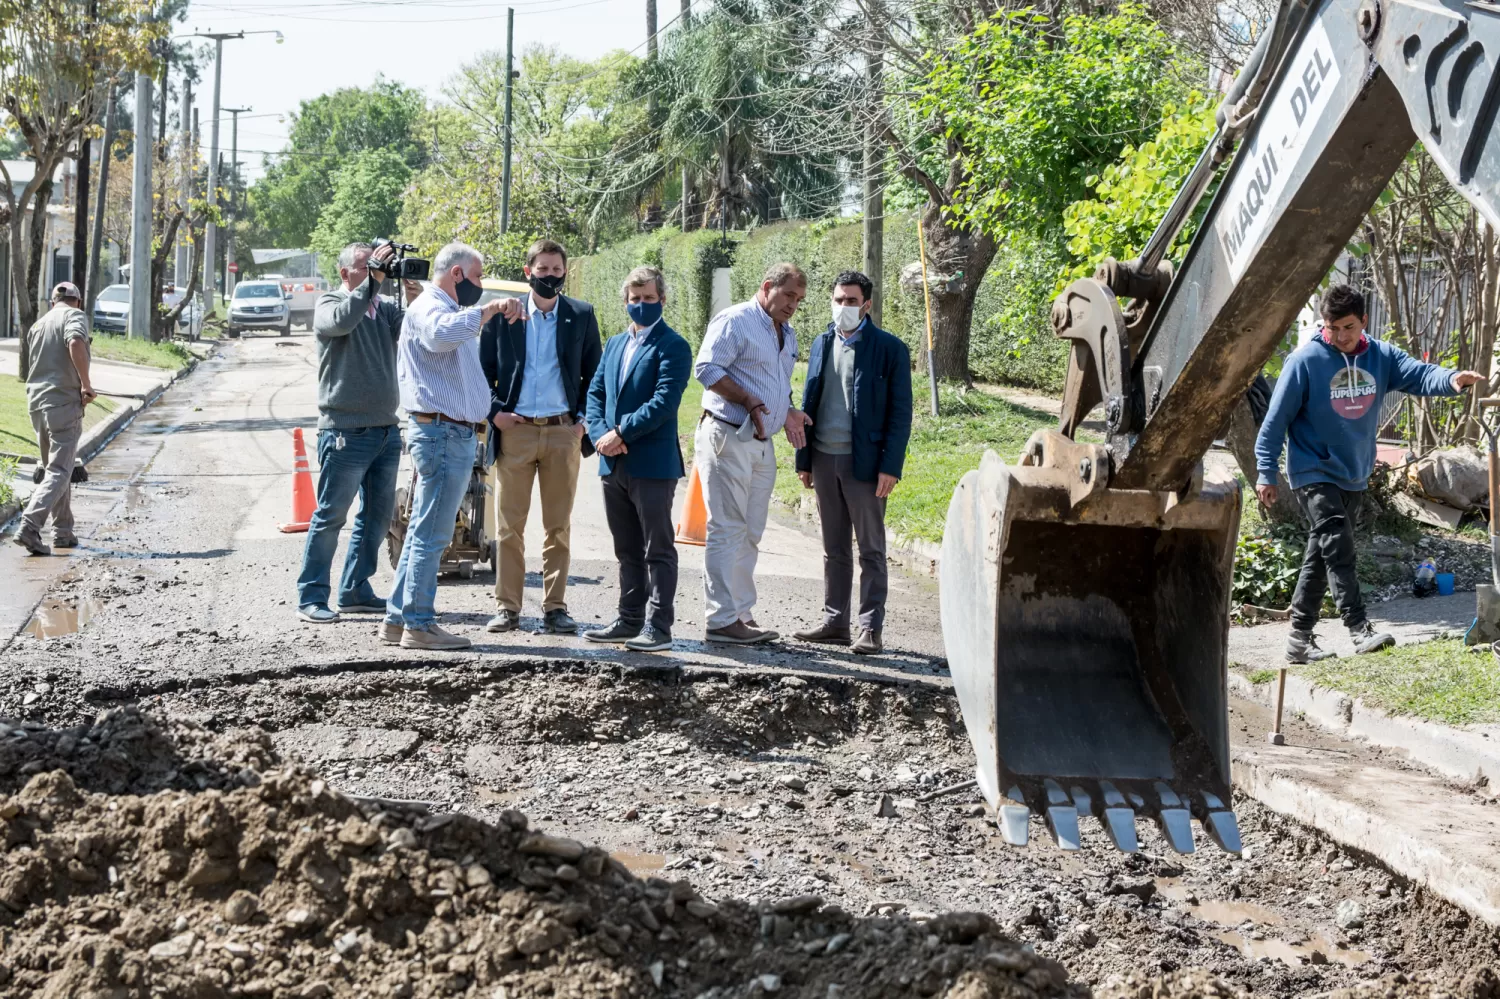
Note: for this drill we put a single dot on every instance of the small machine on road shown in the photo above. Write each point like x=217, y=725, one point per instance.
x=1085, y=589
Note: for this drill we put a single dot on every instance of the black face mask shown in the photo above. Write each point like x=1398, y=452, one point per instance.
x=468, y=293
x=546, y=285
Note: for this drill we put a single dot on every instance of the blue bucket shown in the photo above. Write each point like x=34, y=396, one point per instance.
x=1444, y=582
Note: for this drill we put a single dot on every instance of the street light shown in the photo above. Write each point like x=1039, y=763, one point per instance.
x=210, y=239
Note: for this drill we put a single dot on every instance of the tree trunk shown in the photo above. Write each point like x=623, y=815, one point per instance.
x=29, y=262
x=1241, y=439
x=956, y=263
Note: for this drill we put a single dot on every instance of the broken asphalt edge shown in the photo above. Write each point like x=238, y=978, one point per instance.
x=98, y=437
x=1462, y=754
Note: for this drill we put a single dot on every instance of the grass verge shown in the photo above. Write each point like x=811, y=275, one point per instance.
x=942, y=449
x=16, y=435
x=108, y=347
x=1440, y=681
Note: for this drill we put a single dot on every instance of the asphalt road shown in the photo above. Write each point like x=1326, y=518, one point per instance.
x=183, y=574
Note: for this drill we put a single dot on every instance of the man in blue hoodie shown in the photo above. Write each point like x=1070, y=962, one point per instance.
x=1327, y=404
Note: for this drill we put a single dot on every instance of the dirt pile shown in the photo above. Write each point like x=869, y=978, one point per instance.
x=285, y=888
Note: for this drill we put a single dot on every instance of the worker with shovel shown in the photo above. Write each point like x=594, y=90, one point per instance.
x=1327, y=406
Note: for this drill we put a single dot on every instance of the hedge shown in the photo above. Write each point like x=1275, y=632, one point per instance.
x=687, y=260
x=1011, y=341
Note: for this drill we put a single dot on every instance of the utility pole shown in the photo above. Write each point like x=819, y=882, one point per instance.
x=234, y=173
x=686, y=206
x=81, y=198
x=510, y=40
x=874, y=207
x=91, y=289
x=653, y=210
x=182, y=260
x=210, y=232
x=141, y=305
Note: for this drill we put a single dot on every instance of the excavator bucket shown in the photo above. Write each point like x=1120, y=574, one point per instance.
x=1086, y=630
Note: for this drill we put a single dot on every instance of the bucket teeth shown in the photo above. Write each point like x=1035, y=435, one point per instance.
x=1118, y=818
x=1175, y=820
x=1220, y=824
x=1062, y=817
x=1015, y=820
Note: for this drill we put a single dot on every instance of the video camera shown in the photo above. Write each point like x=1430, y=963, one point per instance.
x=402, y=267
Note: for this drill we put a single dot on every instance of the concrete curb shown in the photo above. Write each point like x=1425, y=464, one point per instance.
x=1412, y=823
x=1459, y=753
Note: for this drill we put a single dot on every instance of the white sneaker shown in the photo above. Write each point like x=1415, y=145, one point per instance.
x=433, y=638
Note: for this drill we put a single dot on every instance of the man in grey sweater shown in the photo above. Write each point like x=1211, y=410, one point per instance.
x=359, y=439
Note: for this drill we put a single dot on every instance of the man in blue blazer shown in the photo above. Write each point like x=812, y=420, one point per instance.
x=632, y=419
x=858, y=394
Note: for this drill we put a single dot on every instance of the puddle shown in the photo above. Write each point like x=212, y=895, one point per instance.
x=1236, y=914
x=55, y=617
x=1294, y=955
x=640, y=863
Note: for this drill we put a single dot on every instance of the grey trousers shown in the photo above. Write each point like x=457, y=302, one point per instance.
x=58, y=430
x=847, y=506
x=639, y=512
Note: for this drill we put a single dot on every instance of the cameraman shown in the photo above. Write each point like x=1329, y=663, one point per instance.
x=359, y=439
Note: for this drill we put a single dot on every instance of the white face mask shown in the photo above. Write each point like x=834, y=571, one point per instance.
x=846, y=317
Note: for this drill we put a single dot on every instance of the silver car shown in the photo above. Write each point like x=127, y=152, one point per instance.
x=260, y=305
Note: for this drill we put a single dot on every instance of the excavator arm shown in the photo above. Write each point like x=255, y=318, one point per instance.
x=1085, y=589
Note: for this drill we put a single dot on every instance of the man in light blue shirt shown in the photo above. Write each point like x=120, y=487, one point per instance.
x=443, y=392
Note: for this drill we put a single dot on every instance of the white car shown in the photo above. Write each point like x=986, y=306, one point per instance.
x=112, y=309
x=260, y=305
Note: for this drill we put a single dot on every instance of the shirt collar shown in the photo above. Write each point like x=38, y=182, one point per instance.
x=641, y=334
x=443, y=298
x=785, y=327
x=533, y=310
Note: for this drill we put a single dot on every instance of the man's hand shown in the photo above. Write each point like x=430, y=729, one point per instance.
x=885, y=485
x=504, y=421
x=384, y=255
x=797, y=423
x=413, y=289
x=1266, y=494
x=490, y=311
x=610, y=445
x=758, y=413
x=578, y=429
x=806, y=478
x=87, y=394
x=1463, y=379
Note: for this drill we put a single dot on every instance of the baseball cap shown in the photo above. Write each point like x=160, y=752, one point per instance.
x=66, y=289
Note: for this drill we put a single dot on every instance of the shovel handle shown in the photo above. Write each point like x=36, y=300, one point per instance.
x=1491, y=402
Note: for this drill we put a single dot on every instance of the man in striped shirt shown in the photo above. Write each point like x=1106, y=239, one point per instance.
x=446, y=398
x=745, y=365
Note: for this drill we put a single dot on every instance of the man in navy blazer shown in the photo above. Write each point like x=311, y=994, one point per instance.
x=632, y=417
x=539, y=368
x=858, y=394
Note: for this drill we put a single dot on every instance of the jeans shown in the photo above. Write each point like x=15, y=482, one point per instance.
x=58, y=431
x=443, y=455
x=1329, y=559
x=366, y=465
x=639, y=513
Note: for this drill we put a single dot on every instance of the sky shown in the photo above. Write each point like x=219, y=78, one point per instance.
x=347, y=43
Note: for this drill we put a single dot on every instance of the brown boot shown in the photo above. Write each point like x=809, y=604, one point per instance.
x=869, y=643
x=826, y=633
x=740, y=633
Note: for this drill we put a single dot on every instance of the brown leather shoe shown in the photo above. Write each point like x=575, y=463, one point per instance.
x=827, y=634
x=868, y=644
x=740, y=633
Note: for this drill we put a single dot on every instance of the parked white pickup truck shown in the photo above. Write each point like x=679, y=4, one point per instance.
x=304, y=301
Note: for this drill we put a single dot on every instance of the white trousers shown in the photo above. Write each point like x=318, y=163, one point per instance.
x=738, y=477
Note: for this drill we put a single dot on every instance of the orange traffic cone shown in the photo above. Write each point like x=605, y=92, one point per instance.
x=304, y=499
x=693, y=528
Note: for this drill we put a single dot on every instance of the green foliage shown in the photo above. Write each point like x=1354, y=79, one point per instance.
x=687, y=260
x=1263, y=676
x=7, y=473
x=1134, y=193
x=1265, y=571
x=367, y=193
x=1440, y=681
x=330, y=131
x=1041, y=116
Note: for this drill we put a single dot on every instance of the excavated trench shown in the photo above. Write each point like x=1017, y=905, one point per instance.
x=744, y=794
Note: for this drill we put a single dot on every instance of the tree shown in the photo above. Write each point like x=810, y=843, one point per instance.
x=1018, y=118
x=330, y=130
x=367, y=195
x=56, y=57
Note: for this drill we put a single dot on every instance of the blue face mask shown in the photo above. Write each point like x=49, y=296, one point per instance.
x=643, y=314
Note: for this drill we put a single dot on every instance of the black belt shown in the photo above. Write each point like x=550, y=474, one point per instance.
x=441, y=418
x=721, y=419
